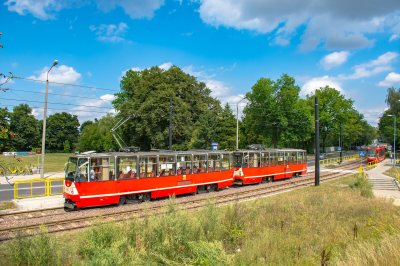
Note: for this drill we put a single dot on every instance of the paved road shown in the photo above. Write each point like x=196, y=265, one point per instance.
x=311, y=162
x=7, y=191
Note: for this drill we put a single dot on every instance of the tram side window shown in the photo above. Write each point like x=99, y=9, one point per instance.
x=214, y=162
x=293, y=157
x=147, y=166
x=273, y=159
x=103, y=168
x=299, y=157
x=127, y=167
x=199, y=163
x=83, y=170
x=286, y=156
x=280, y=158
x=264, y=159
x=224, y=161
x=254, y=159
x=166, y=165
x=184, y=164
x=231, y=161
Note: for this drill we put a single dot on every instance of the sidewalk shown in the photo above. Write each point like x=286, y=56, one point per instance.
x=376, y=175
x=13, y=178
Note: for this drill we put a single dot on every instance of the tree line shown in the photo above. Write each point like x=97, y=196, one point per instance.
x=275, y=115
x=387, y=121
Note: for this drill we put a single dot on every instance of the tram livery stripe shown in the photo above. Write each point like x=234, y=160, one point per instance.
x=275, y=174
x=150, y=190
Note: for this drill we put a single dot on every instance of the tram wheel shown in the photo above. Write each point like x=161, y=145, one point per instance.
x=122, y=200
x=146, y=197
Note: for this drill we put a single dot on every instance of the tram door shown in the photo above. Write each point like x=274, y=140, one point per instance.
x=237, y=159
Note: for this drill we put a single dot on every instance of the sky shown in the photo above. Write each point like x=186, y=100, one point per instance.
x=352, y=46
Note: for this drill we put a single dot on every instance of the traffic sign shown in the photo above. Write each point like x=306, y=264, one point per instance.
x=214, y=146
x=339, y=148
x=389, y=148
x=358, y=147
x=361, y=153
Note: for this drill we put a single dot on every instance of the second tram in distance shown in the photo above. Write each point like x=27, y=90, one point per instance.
x=96, y=179
x=376, y=153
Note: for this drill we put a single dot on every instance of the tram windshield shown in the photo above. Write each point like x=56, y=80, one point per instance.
x=77, y=169
x=371, y=153
x=237, y=159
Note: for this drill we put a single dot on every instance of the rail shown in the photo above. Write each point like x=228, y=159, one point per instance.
x=47, y=187
x=337, y=160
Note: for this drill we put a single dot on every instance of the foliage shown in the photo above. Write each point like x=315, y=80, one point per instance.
x=23, y=123
x=67, y=146
x=59, y=128
x=363, y=184
x=147, y=93
x=276, y=111
x=226, y=136
x=205, y=133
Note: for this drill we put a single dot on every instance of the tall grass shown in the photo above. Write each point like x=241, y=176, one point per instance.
x=364, y=185
x=329, y=224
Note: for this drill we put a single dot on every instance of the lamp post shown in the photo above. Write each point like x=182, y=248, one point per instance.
x=44, y=120
x=394, y=141
x=237, y=123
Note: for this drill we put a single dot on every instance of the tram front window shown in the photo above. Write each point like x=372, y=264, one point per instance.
x=371, y=153
x=83, y=170
x=70, y=170
x=237, y=160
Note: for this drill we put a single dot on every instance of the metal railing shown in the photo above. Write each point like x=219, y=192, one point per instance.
x=337, y=160
x=47, y=184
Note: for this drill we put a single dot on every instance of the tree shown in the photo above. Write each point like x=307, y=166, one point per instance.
x=59, y=128
x=147, y=93
x=227, y=129
x=23, y=123
x=276, y=112
x=206, y=132
x=67, y=147
x=386, y=128
x=334, y=108
x=85, y=124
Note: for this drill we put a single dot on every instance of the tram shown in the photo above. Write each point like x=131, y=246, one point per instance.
x=376, y=153
x=98, y=179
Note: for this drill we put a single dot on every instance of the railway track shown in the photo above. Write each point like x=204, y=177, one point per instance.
x=79, y=220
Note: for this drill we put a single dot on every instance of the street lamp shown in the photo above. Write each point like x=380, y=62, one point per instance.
x=394, y=141
x=44, y=120
x=237, y=123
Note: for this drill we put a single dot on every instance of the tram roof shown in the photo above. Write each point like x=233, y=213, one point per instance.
x=168, y=152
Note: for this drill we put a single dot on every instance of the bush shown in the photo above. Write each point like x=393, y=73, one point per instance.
x=364, y=185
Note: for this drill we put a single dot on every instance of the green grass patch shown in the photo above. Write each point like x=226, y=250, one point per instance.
x=393, y=172
x=332, y=224
x=54, y=162
x=6, y=205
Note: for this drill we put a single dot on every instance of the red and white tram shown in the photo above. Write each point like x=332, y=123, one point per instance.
x=98, y=179
x=376, y=153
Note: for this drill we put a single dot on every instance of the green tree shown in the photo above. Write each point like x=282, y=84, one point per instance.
x=147, y=93
x=386, y=127
x=59, y=128
x=85, y=124
x=276, y=112
x=67, y=147
x=205, y=133
x=227, y=129
x=23, y=123
x=334, y=108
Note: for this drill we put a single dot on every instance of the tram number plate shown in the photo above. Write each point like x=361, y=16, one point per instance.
x=186, y=182
x=287, y=170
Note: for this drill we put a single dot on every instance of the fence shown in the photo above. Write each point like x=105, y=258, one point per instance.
x=336, y=160
x=47, y=187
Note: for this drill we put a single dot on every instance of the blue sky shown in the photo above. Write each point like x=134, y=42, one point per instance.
x=229, y=44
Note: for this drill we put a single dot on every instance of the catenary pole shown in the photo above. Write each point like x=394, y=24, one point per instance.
x=340, y=141
x=170, y=123
x=316, y=143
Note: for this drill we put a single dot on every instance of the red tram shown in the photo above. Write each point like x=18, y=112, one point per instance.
x=97, y=179
x=376, y=153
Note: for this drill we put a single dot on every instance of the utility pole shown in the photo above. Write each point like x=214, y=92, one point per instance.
x=316, y=143
x=170, y=123
x=340, y=141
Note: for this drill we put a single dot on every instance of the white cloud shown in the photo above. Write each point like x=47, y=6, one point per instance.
x=70, y=27
x=336, y=23
x=316, y=83
x=14, y=65
x=372, y=115
x=61, y=74
x=89, y=74
x=394, y=37
x=3, y=79
x=334, y=59
x=95, y=108
x=110, y=33
x=187, y=34
x=47, y=9
x=165, y=66
x=391, y=79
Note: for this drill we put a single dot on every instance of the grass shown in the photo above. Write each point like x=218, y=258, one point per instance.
x=332, y=224
x=393, y=172
x=6, y=205
x=54, y=162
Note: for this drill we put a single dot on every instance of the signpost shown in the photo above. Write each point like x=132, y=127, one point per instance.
x=358, y=147
x=391, y=153
x=361, y=154
x=339, y=148
x=214, y=146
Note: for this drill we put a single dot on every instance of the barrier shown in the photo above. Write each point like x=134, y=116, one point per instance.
x=372, y=165
x=336, y=160
x=47, y=187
